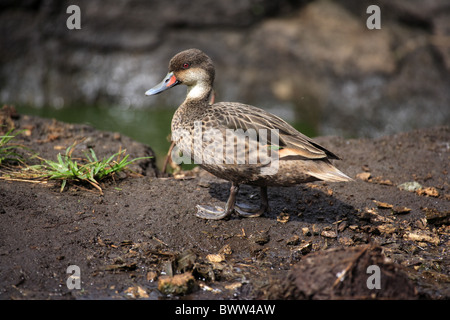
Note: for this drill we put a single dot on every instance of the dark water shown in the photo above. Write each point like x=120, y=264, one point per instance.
x=149, y=126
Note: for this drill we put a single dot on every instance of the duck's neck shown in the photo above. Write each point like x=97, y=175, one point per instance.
x=198, y=94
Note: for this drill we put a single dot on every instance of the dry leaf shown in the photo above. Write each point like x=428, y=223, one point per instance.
x=383, y=205
x=422, y=235
x=387, y=228
x=215, y=258
x=151, y=276
x=365, y=176
x=208, y=288
x=226, y=249
x=304, y=248
x=233, y=286
x=328, y=234
x=429, y=192
x=346, y=241
x=283, y=217
x=136, y=292
x=293, y=241
x=306, y=232
x=382, y=181
x=401, y=210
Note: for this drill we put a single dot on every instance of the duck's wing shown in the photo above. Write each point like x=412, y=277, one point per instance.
x=291, y=143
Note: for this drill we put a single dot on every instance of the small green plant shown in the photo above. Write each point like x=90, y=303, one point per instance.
x=90, y=170
x=8, y=149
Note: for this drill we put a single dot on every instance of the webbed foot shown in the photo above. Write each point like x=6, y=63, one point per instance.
x=247, y=211
x=218, y=213
x=211, y=213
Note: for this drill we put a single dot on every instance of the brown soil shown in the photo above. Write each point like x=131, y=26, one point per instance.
x=142, y=230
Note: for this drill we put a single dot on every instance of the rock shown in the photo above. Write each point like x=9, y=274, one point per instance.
x=179, y=284
x=410, y=186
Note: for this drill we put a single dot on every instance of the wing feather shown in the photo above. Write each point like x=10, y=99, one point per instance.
x=239, y=116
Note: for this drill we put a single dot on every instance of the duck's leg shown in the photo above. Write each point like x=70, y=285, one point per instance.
x=218, y=213
x=248, y=212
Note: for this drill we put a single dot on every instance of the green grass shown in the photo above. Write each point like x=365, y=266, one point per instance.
x=89, y=169
x=66, y=168
x=8, y=148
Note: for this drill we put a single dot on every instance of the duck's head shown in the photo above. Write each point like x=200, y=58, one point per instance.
x=192, y=68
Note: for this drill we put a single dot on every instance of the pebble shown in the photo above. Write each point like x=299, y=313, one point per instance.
x=410, y=186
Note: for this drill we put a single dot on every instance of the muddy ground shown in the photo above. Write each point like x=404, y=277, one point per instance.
x=316, y=243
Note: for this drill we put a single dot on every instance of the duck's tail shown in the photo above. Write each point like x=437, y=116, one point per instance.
x=324, y=170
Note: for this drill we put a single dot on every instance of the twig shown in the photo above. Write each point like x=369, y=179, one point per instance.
x=22, y=180
x=166, y=160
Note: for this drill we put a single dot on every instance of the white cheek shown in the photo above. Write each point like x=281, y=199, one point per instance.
x=196, y=92
x=196, y=80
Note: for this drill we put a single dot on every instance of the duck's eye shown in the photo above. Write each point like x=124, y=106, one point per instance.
x=186, y=65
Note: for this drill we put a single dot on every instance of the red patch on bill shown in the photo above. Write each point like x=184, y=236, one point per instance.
x=172, y=81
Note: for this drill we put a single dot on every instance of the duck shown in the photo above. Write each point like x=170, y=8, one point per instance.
x=280, y=155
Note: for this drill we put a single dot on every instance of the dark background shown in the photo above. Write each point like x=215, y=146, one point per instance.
x=312, y=62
